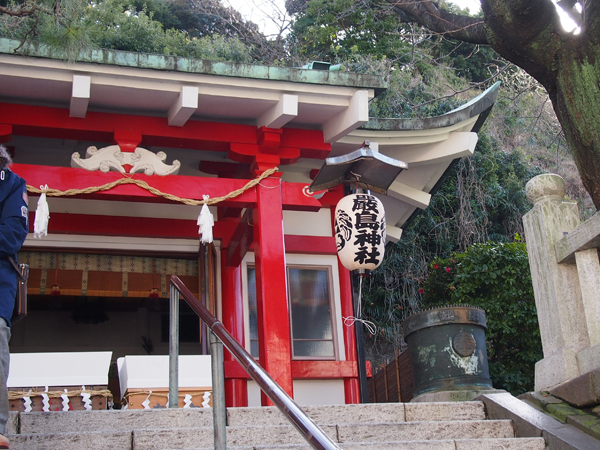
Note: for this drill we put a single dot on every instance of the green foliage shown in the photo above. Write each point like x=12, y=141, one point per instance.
x=206, y=18
x=470, y=62
x=56, y=24
x=481, y=198
x=414, y=90
x=332, y=30
x=121, y=25
x=390, y=294
x=412, y=94
x=494, y=276
x=116, y=25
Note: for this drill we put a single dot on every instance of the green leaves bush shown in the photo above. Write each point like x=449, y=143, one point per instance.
x=494, y=276
x=115, y=25
x=120, y=25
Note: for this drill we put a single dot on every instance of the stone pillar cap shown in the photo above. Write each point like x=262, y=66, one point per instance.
x=545, y=187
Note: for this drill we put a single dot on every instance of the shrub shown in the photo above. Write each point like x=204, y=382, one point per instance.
x=494, y=276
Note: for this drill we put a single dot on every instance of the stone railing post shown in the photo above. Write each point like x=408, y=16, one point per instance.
x=580, y=247
x=556, y=286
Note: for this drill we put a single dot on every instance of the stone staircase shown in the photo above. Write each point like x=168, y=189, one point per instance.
x=398, y=426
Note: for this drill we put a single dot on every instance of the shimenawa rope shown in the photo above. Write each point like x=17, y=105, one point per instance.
x=105, y=187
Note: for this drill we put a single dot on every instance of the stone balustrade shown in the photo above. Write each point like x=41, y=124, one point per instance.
x=565, y=270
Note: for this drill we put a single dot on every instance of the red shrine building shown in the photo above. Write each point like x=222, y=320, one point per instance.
x=99, y=279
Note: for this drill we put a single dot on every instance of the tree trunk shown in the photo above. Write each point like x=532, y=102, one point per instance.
x=577, y=105
x=529, y=34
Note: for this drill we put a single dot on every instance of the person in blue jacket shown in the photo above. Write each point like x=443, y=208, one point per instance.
x=13, y=230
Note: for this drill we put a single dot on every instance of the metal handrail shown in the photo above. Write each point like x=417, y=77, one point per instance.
x=309, y=430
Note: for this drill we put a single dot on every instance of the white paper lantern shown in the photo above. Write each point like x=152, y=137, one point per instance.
x=360, y=231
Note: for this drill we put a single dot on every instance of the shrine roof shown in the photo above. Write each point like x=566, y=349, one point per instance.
x=183, y=89
x=479, y=107
x=428, y=145
x=188, y=93
x=201, y=66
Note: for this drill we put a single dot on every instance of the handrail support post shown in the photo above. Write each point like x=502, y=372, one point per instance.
x=174, y=348
x=218, y=397
x=310, y=431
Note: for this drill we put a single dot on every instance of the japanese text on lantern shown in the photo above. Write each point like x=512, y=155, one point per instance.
x=368, y=235
x=360, y=231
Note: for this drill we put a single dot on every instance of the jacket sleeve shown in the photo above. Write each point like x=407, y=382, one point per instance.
x=13, y=220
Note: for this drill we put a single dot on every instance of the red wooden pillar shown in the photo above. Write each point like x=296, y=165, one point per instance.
x=351, y=385
x=271, y=286
x=5, y=133
x=236, y=392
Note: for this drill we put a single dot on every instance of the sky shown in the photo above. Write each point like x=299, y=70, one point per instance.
x=258, y=10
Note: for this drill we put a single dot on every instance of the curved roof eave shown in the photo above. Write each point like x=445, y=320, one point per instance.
x=430, y=146
x=476, y=107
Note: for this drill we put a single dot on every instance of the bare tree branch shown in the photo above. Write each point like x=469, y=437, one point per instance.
x=24, y=11
x=472, y=86
x=427, y=13
x=590, y=19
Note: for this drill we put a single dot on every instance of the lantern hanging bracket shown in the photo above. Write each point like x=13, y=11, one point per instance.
x=366, y=167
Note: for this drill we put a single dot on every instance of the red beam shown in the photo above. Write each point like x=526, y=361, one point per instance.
x=91, y=224
x=304, y=370
x=324, y=369
x=64, y=178
x=241, y=241
x=313, y=144
x=332, y=196
x=5, y=133
x=148, y=227
x=40, y=121
x=43, y=121
x=308, y=245
x=63, y=223
x=293, y=194
x=311, y=245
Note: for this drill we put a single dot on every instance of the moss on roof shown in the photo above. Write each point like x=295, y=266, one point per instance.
x=200, y=66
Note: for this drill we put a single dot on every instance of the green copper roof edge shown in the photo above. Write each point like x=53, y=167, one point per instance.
x=201, y=66
x=476, y=106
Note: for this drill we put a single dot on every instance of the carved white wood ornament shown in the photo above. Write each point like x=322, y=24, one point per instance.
x=112, y=158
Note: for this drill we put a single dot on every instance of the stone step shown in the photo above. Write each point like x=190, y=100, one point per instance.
x=448, y=444
x=347, y=433
x=127, y=420
x=59, y=421
x=123, y=441
x=363, y=413
x=409, y=431
x=236, y=436
x=240, y=436
x=455, y=444
x=119, y=440
x=391, y=426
